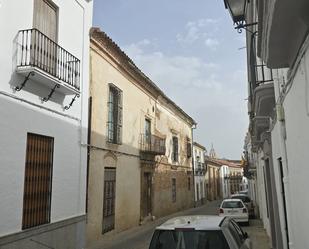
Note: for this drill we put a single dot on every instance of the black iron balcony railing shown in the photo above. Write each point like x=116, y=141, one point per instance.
x=152, y=144
x=37, y=50
x=200, y=168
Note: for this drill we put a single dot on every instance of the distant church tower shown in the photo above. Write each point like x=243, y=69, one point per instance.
x=212, y=152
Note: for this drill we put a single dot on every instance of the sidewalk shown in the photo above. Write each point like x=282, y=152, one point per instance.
x=257, y=234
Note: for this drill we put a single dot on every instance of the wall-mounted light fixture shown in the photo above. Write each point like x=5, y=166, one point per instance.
x=237, y=9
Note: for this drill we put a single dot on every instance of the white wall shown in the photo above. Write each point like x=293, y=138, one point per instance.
x=199, y=179
x=261, y=184
x=296, y=108
x=23, y=112
x=225, y=184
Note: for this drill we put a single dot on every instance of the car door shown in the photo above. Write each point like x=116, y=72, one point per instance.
x=240, y=240
x=245, y=241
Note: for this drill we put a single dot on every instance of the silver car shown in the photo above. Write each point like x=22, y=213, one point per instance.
x=200, y=232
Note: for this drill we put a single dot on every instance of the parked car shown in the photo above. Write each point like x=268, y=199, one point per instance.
x=235, y=209
x=247, y=201
x=245, y=192
x=200, y=232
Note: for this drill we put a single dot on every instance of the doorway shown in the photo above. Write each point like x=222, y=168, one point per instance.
x=146, y=194
x=109, y=199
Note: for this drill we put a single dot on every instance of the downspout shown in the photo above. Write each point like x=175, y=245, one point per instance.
x=193, y=168
x=81, y=206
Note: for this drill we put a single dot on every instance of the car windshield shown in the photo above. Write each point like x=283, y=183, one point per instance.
x=242, y=197
x=232, y=204
x=171, y=239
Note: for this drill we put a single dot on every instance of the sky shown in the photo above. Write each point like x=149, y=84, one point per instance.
x=192, y=52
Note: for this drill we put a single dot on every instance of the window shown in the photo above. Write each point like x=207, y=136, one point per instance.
x=148, y=133
x=189, y=148
x=173, y=189
x=193, y=239
x=242, y=197
x=175, y=149
x=38, y=180
x=189, y=183
x=45, y=18
x=232, y=204
x=114, y=123
x=237, y=233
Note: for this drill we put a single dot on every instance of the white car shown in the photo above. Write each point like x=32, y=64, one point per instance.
x=247, y=201
x=235, y=209
x=200, y=232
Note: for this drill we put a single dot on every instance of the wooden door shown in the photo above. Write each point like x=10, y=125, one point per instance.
x=146, y=194
x=38, y=180
x=109, y=199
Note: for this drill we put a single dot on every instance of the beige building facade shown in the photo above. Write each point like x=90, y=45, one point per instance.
x=213, y=179
x=140, y=162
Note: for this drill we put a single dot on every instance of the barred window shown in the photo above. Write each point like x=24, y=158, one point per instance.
x=114, y=123
x=175, y=149
x=38, y=180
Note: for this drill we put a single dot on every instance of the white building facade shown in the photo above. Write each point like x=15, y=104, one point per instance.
x=225, y=183
x=199, y=152
x=278, y=69
x=43, y=127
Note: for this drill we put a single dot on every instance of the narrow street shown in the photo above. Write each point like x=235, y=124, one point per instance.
x=139, y=237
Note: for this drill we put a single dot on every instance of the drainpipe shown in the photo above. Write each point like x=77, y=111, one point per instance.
x=193, y=168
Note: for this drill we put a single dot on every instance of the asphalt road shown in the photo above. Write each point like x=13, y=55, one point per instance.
x=139, y=237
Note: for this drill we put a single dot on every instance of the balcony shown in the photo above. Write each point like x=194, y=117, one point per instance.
x=260, y=125
x=151, y=144
x=200, y=168
x=47, y=62
x=283, y=28
x=264, y=100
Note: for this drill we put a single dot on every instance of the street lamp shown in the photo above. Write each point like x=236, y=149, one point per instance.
x=237, y=9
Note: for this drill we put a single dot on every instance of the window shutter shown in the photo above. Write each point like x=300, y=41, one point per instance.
x=45, y=18
x=110, y=116
x=119, y=119
x=176, y=149
x=189, y=149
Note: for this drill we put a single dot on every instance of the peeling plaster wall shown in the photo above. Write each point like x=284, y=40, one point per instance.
x=138, y=105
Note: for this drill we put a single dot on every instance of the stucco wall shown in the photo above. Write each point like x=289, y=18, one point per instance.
x=137, y=105
x=296, y=108
x=23, y=112
x=124, y=157
x=66, y=188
